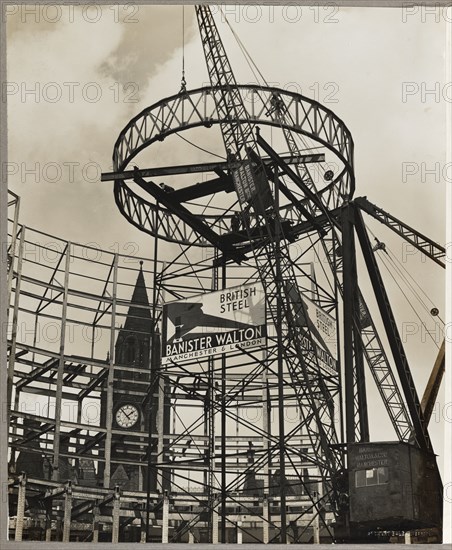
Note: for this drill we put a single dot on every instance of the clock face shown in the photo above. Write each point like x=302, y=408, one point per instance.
x=127, y=416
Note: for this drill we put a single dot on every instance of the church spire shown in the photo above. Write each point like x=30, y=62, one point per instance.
x=139, y=318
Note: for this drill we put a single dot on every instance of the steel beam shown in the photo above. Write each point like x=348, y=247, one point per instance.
x=422, y=243
x=393, y=335
x=202, y=168
x=185, y=215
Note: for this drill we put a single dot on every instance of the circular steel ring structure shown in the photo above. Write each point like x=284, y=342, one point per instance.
x=196, y=108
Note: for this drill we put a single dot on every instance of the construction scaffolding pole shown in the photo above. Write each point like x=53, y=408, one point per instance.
x=67, y=512
x=116, y=516
x=20, y=507
x=60, y=373
x=110, y=378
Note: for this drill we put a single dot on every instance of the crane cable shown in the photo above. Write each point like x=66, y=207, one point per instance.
x=387, y=261
x=183, y=89
x=251, y=63
x=409, y=302
x=183, y=83
x=396, y=261
x=404, y=274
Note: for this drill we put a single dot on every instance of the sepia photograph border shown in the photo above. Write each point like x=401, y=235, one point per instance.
x=4, y=298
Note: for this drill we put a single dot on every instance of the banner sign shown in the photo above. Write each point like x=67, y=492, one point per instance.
x=321, y=327
x=214, y=323
x=244, y=182
x=251, y=184
x=323, y=332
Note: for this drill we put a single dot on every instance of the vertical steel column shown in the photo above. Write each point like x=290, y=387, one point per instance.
x=209, y=430
x=316, y=528
x=266, y=422
x=13, y=250
x=320, y=513
x=154, y=374
x=191, y=538
x=116, y=514
x=110, y=378
x=67, y=512
x=20, y=507
x=239, y=533
x=12, y=354
x=48, y=511
x=160, y=430
x=143, y=533
x=162, y=480
x=349, y=272
x=12, y=351
x=60, y=374
x=58, y=529
x=212, y=480
x=165, y=518
x=79, y=421
x=281, y=434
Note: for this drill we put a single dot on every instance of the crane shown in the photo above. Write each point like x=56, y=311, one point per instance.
x=274, y=267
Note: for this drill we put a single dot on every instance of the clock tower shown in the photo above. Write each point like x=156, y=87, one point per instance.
x=134, y=405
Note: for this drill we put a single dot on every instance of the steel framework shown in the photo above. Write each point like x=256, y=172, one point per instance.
x=249, y=446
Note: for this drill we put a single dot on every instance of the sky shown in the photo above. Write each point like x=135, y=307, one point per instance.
x=381, y=71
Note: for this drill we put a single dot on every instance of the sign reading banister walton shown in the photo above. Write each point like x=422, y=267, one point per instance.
x=214, y=323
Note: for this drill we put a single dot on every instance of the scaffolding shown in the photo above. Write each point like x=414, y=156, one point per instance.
x=68, y=306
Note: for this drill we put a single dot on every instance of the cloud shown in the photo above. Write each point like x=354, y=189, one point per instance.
x=139, y=53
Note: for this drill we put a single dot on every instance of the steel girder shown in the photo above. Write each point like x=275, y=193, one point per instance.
x=428, y=247
x=395, y=341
